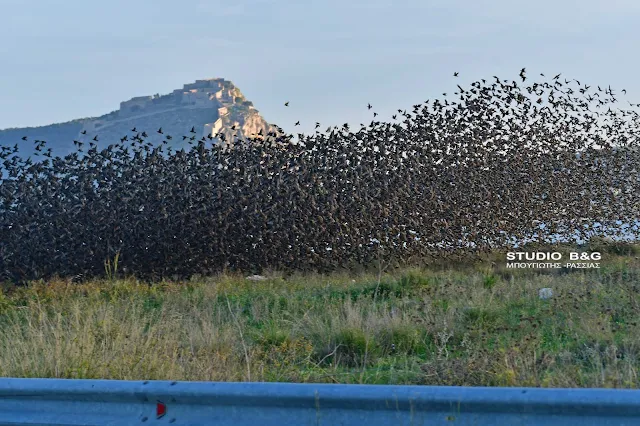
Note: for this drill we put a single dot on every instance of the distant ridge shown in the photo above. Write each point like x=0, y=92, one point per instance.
x=211, y=106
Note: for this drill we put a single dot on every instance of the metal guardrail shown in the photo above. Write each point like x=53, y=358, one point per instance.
x=116, y=402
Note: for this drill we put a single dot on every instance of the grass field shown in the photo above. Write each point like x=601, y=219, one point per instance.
x=468, y=324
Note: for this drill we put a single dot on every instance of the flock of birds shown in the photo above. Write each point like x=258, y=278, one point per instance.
x=500, y=162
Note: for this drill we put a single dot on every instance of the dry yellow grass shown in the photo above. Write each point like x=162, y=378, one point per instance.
x=471, y=325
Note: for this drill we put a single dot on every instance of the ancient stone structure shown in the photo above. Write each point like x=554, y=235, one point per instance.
x=213, y=106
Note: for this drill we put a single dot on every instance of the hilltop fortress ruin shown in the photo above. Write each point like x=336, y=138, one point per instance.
x=213, y=106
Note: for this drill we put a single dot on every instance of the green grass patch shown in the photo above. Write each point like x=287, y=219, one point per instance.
x=472, y=325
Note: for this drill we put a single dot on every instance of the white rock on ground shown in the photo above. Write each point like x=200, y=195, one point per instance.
x=256, y=278
x=545, y=293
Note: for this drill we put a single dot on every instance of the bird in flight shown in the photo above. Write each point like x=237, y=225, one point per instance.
x=369, y=106
x=297, y=123
x=286, y=103
x=455, y=74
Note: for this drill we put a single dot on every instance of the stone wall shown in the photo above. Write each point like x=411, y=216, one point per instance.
x=195, y=97
x=135, y=105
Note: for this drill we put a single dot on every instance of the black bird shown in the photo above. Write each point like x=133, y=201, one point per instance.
x=84, y=132
x=286, y=103
x=24, y=138
x=134, y=130
x=369, y=106
x=297, y=123
x=455, y=74
x=193, y=130
x=95, y=138
x=160, y=130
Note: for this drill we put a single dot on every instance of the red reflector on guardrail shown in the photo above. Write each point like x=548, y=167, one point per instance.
x=161, y=409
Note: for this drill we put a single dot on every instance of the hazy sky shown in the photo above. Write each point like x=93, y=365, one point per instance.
x=67, y=59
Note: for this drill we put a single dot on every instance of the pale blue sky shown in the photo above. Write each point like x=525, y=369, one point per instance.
x=67, y=59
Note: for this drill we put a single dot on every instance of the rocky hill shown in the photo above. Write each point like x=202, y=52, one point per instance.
x=210, y=107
